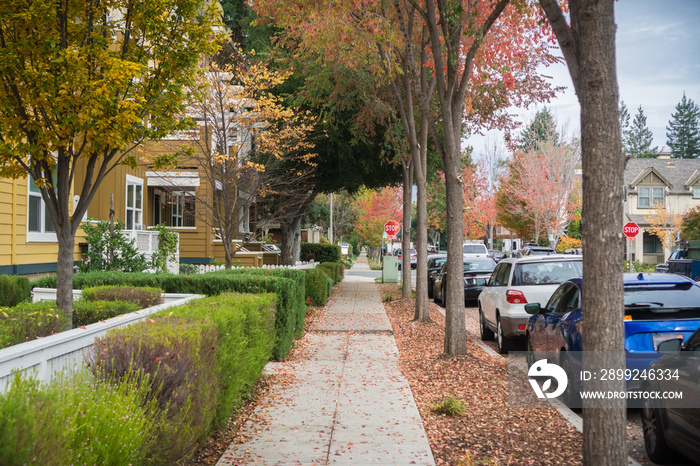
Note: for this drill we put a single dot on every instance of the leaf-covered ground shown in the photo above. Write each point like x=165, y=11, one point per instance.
x=489, y=432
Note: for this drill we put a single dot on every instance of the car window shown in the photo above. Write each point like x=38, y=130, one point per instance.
x=500, y=275
x=474, y=249
x=482, y=264
x=556, y=297
x=693, y=343
x=546, y=273
x=662, y=302
x=568, y=301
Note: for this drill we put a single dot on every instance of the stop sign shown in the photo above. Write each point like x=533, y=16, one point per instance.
x=391, y=227
x=631, y=230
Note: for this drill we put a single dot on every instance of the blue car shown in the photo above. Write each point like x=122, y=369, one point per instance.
x=658, y=307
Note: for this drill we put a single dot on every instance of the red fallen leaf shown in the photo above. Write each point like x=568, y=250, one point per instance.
x=83, y=327
x=158, y=360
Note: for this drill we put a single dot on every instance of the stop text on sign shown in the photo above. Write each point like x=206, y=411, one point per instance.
x=631, y=230
x=391, y=227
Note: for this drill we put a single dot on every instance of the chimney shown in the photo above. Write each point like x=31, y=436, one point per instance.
x=663, y=155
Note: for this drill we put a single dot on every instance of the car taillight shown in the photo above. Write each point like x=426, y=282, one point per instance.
x=579, y=327
x=433, y=274
x=515, y=297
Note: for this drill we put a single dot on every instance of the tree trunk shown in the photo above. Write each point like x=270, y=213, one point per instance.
x=291, y=240
x=589, y=48
x=602, y=220
x=406, y=288
x=420, y=162
x=296, y=240
x=64, y=271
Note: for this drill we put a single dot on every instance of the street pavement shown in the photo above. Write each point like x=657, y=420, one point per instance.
x=347, y=401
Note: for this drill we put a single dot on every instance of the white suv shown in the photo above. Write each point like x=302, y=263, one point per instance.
x=516, y=282
x=476, y=249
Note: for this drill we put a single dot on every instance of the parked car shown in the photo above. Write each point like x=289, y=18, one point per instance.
x=435, y=263
x=477, y=271
x=496, y=255
x=672, y=427
x=474, y=249
x=514, y=283
x=535, y=251
x=658, y=307
x=413, y=257
x=663, y=267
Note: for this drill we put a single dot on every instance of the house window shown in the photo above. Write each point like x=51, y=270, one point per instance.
x=652, y=244
x=650, y=197
x=696, y=193
x=244, y=219
x=134, y=203
x=39, y=224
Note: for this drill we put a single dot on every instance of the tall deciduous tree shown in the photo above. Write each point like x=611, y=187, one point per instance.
x=375, y=208
x=479, y=202
x=247, y=134
x=587, y=41
x=683, y=130
x=542, y=185
x=81, y=81
x=664, y=224
x=639, y=138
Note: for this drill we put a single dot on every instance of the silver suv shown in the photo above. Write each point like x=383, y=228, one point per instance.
x=516, y=282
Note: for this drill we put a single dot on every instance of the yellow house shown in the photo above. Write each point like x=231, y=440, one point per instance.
x=142, y=198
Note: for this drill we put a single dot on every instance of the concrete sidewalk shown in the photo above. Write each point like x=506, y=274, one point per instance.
x=348, y=402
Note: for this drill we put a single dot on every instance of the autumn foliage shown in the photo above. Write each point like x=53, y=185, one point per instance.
x=375, y=209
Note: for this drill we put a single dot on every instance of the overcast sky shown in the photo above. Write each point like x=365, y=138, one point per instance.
x=658, y=58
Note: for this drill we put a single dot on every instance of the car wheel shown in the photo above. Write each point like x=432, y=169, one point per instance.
x=572, y=397
x=430, y=290
x=654, y=439
x=503, y=343
x=436, y=299
x=485, y=332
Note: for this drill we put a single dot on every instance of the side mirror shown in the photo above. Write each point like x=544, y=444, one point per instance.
x=533, y=308
x=670, y=347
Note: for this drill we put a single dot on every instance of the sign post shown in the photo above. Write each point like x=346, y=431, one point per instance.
x=630, y=230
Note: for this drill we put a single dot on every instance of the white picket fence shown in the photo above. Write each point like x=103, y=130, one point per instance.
x=65, y=351
x=204, y=268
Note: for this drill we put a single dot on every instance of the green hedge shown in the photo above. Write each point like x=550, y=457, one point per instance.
x=27, y=321
x=320, y=252
x=245, y=325
x=289, y=286
x=336, y=270
x=174, y=360
x=144, y=296
x=14, y=290
x=88, y=312
x=316, y=286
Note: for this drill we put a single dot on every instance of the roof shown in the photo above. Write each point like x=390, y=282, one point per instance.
x=637, y=278
x=542, y=258
x=679, y=173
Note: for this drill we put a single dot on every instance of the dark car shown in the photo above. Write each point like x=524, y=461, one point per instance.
x=435, y=263
x=477, y=272
x=675, y=255
x=535, y=251
x=658, y=307
x=673, y=426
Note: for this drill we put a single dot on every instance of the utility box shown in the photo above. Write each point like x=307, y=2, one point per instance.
x=390, y=269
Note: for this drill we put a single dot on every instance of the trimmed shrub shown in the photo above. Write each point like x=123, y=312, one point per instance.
x=335, y=269
x=329, y=281
x=77, y=421
x=188, y=269
x=246, y=336
x=88, y=312
x=316, y=286
x=14, y=290
x=175, y=360
x=320, y=252
x=27, y=321
x=144, y=296
x=289, y=286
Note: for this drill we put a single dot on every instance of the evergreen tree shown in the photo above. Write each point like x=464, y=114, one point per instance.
x=624, y=116
x=543, y=128
x=683, y=130
x=639, y=138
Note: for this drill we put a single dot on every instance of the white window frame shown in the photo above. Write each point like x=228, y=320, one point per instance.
x=41, y=236
x=651, y=195
x=177, y=209
x=137, y=212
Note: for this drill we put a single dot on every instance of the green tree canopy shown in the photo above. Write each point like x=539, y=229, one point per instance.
x=683, y=130
x=542, y=128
